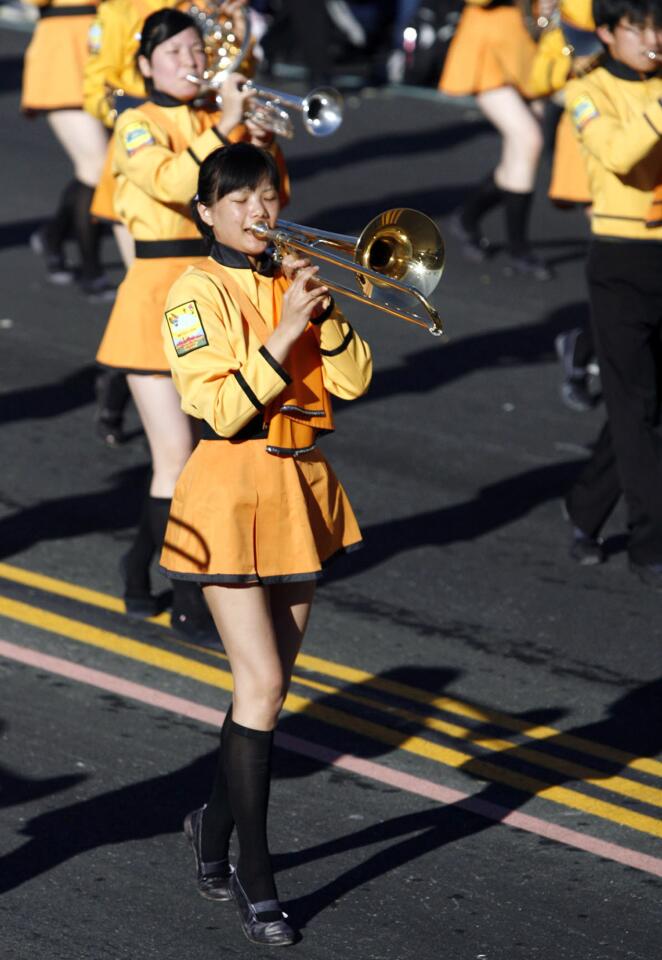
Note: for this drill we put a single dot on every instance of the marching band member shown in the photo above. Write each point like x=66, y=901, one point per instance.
x=257, y=510
x=158, y=149
x=616, y=111
x=52, y=84
x=490, y=57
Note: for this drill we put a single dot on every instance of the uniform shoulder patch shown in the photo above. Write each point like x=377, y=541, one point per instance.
x=135, y=136
x=94, y=37
x=186, y=328
x=582, y=111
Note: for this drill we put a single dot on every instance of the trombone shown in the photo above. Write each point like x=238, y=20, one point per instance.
x=321, y=109
x=397, y=261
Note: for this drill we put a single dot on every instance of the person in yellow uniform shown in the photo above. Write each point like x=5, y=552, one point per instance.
x=616, y=111
x=257, y=510
x=490, y=57
x=53, y=84
x=158, y=149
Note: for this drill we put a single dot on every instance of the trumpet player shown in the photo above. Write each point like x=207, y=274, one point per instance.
x=159, y=147
x=616, y=112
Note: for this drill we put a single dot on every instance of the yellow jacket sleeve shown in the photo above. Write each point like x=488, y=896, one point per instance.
x=143, y=156
x=220, y=377
x=346, y=358
x=103, y=68
x=617, y=145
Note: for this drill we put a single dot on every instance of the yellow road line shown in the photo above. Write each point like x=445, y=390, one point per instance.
x=364, y=679
x=213, y=676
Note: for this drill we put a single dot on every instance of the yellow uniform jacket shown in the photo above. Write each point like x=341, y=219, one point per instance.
x=113, y=39
x=156, y=162
x=617, y=116
x=221, y=369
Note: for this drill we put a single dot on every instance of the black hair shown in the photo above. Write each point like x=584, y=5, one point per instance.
x=608, y=13
x=160, y=26
x=232, y=168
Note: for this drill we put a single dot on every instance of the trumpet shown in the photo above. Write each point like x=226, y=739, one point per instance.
x=397, y=261
x=321, y=109
x=654, y=55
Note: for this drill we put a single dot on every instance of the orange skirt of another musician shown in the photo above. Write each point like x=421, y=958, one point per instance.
x=132, y=340
x=490, y=49
x=242, y=515
x=569, y=180
x=54, y=62
x=103, y=207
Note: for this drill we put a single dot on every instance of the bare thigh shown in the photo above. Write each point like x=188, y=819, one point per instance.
x=262, y=630
x=169, y=430
x=522, y=143
x=85, y=141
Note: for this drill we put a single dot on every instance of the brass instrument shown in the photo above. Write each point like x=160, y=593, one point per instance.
x=397, y=261
x=321, y=109
x=227, y=40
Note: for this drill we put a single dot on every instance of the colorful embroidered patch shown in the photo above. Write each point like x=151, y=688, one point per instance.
x=186, y=329
x=135, y=136
x=94, y=38
x=583, y=110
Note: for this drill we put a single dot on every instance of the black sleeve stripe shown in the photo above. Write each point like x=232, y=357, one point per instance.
x=224, y=140
x=325, y=314
x=189, y=151
x=274, y=364
x=247, y=390
x=652, y=125
x=343, y=346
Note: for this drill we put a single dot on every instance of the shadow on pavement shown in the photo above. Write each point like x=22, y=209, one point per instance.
x=18, y=233
x=50, y=399
x=633, y=724
x=11, y=73
x=495, y=506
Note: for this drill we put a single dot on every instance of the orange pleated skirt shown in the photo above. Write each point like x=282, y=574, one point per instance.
x=132, y=338
x=54, y=63
x=569, y=180
x=490, y=49
x=242, y=515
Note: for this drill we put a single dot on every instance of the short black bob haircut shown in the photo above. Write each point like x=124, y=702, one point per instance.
x=160, y=26
x=608, y=13
x=232, y=168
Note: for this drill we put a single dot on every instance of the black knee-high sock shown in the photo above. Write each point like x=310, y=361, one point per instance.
x=483, y=198
x=60, y=225
x=517, y=209
x=248, y=771
x=86, y=232
x=112, y=394
x=217, y=820
x=139, y=557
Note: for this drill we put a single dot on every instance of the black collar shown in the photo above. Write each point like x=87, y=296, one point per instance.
x=623, y=72
x=229, y=257
x=162, y=99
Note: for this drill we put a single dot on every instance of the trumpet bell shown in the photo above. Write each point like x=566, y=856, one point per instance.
x=322, y=111
x=403, y=245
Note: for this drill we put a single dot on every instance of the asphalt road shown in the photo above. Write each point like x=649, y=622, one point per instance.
x=460, y=672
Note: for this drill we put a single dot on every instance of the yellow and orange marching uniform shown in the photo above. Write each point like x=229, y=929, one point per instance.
x=158, y=151
x=617, y=118
x=491, y=48
x=56, y=56
x=257, y=501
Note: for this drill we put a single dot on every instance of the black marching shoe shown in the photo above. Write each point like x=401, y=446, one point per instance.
x=213, y=877
x=527, y=264
x=475, y=245
x=272, y=933
x=587, y=551
x=139, y=604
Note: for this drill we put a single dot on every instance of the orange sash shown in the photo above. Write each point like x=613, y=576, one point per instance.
x=304, y=407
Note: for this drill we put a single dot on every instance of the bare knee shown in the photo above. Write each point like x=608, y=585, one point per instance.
x=258, y=704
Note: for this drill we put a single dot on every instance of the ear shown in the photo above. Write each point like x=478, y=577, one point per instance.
x=205, y=214
x=605, y=35
x=144, y=66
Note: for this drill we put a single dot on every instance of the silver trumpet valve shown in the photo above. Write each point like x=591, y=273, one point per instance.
x=321, y=109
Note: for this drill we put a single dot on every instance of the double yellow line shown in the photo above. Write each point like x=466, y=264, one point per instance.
x=364, y=689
